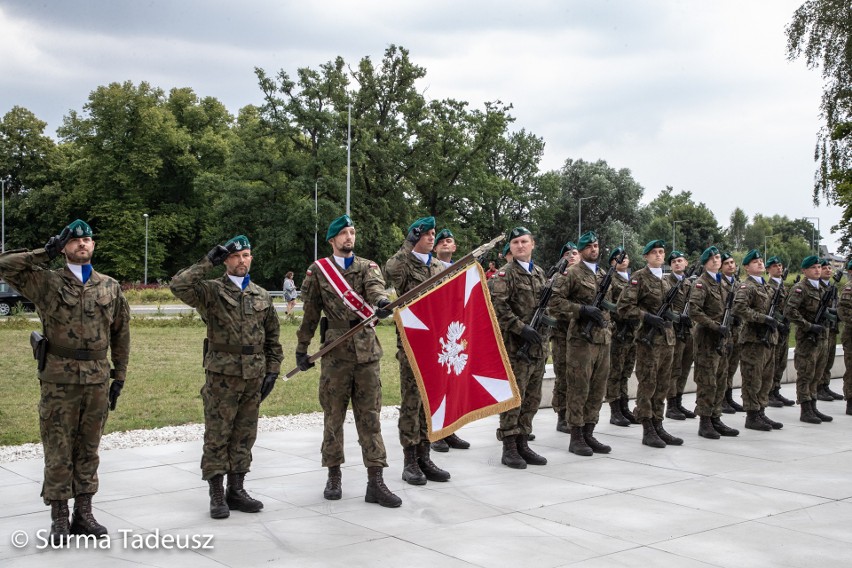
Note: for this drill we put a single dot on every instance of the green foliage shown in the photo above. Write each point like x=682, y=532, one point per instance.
x=693, y=225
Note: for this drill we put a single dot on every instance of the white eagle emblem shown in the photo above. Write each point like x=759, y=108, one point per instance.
x=452, y=356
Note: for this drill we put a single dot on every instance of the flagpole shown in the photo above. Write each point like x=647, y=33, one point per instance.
x=348, y=155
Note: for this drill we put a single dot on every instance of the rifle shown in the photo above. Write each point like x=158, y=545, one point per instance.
x=409, y=296
x=539, y=319
x=601, y=295
x=825, y=302
x=648, y=338
x=832, y=324
x=684, y=313
x=726, y=318
x=773, y=306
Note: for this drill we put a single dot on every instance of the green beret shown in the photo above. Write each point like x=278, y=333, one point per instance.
x=773, y=260
x=705, y=256
x=338, y=225
x=725, y=255
x=79, y=229
x=652, y=245
x=444, y=234
x=423, y=224
x=675, y=254
x=588, y=238
x=566, y=247
x=240, y=242
x=517, y=232
x=849, y=265
x=505, y=249
x=615, y=252
x=809, y=261
x=824, y=262
x=753, y=254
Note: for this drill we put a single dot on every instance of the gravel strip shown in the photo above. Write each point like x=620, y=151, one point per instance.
x=186, y=433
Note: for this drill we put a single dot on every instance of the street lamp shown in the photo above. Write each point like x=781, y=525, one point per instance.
x=813, y=241
x=580, y=216
x=3, y=181
x=146, y=247
x=674, y=223
x=316, y=216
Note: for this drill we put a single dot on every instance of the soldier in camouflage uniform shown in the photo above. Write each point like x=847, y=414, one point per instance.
x=731, y=357
x=515, y=293
x=640, y=301
x=844, y=313
x=824, y=391
x=682, y=358
x=781, y=351
x=409, y=266
x=588, y=367
x=811, y=349
x=84, y=316
x=758, y=338
x=242, y=359
x=351, y=371
x=622, y=353
x=559, y=348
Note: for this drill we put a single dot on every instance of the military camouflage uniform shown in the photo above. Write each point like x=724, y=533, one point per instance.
x=811, y=350
x=242, y=345
x=351, y=370
x=706, y=309
x=751, y=304
x=622, y=353
x=781, y=349
x=588, y=368
x=559, y=350
x=515, y=295
x=733, y=352
x=93, y=317
x=844, y=313
x=682, y=356
x=404, y=271
x=831, y=346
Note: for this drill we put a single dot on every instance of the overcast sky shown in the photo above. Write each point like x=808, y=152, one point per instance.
x=694, y=94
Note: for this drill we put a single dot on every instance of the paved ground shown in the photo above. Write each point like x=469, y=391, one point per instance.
x=780, y=498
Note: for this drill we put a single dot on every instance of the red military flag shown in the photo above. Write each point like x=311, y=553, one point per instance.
x=456, y=351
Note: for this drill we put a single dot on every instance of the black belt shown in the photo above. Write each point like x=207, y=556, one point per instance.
x=236, y=349
x=77, y=354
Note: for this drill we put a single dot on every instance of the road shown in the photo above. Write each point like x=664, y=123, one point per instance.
x=175, y=309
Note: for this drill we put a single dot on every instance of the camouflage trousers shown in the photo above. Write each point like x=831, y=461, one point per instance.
x=231, y=406
x=588, y=370
x=846, y=341
x=757, y=370
x=825, y=378
x=809, y=360
x=71, y=421
x=342, y=381
x=413, y=428
x=780, y=353
x=710, y=383
x=622, y=359
x=559, y=349
x=652, y=369
x=681, y=364
x=733, y=361
x=528, y=376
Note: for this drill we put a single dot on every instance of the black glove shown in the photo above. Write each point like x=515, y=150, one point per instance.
x=218, y=254
x=724, y=331
x=267, y=385
x=382, y=313
x=652, y=320
x=685, y=322
x=114, y=393
x=817, y=329
x=832, y=311
x=55, y=244
x=302, y=361
x=530, y=335
x=592, y=313
x=783, y=328
x=770, y=321
x=413, y=235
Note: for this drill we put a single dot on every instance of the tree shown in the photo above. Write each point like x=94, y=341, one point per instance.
x=739, y=220
x=696, y=230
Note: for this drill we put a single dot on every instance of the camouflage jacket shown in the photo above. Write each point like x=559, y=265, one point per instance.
x=577, y=287
x=707, y=302
x=782, y=301
x=515, y=294
x=235, y=318
x=645, y=294
x=405, y=271
x=844, y=310
x=730, y=287
x=802, y=305
x=751, y=304
x=680, y=299
x=319, y=297
x=92, y=316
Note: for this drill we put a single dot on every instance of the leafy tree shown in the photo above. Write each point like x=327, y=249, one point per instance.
x=739, y=221
x=696, y=229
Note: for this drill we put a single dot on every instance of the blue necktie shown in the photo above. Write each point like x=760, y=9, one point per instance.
x=87, y=271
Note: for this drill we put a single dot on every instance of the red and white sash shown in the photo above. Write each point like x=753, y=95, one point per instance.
x=351, y=298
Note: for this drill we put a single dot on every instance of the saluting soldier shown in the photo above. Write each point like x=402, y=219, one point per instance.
x=758, y=338
x=515, y=293
x=242, y=360
x=775, y=268
x=844, y=313
x=640, y=301
x=559, y=348
x=588, y=365
x=409, y=266
x=84, y=316
x=351, y=370
x=811, y=337
x=731, y=356
x=707, y=309
x=682, y=358
x=622, y=353
x=824, y=391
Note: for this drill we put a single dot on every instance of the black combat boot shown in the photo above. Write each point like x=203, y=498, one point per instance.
x=578, y=444
x=626, y=412
x=849, y=407
x=59, y=527
x=665, y=436
x=334, y=486
x=774, y=401
x=410, y=468
x=511, y=457
x=753, y=421
x=561, y=423
x=786, y=401
x=377, y=491
x=722, y=428
x=441, y=446
x=729, y=398
x=820, y=415
x=772, y=423
x=82, y=519
x=218, y=508
x=427, y=466
x=672, y=409
x=650, y=436
x=823, y=394
x=684, y=411
x=456, y=443
x=237, y=497
x=807, y=413
x=527, y=453
x=705, y=428
x=592, y=442
x=832, y=394
x=615, y=415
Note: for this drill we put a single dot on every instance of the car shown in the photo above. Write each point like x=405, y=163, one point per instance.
x=11, y=299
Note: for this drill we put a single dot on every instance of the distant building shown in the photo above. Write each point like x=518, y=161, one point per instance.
x=836, y=261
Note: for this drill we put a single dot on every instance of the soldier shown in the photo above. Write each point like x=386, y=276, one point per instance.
x=824, y=391
x=682, y=358
x=588, y=366
x=640, y=301
x=844, y=313
x=758, y=338
x=515, y=295
x=350, y=371
x=412, y=264
x=84, y=316
x=559, y=348
x=775, y=268
x=706, y=309
x=811, y=350
x=445, y=246
x=622, y=353
x=242, y=359
x=731, y=357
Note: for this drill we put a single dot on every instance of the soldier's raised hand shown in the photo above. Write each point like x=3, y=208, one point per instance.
x=54, y=245
x=218, y=254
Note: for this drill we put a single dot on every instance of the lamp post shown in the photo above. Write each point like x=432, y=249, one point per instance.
x=674, y=224
x=580, y=216
x=3, y=181
x=813, y=240
x=316, y=216
x=348, y=155
x=145, y=215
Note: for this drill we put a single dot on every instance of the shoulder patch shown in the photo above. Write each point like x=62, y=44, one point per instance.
x=742, y=286
x=797, y=290
x=373, y=265
x=309, y=272
x=634, y=282
x=699, y=285
x=501, y=273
